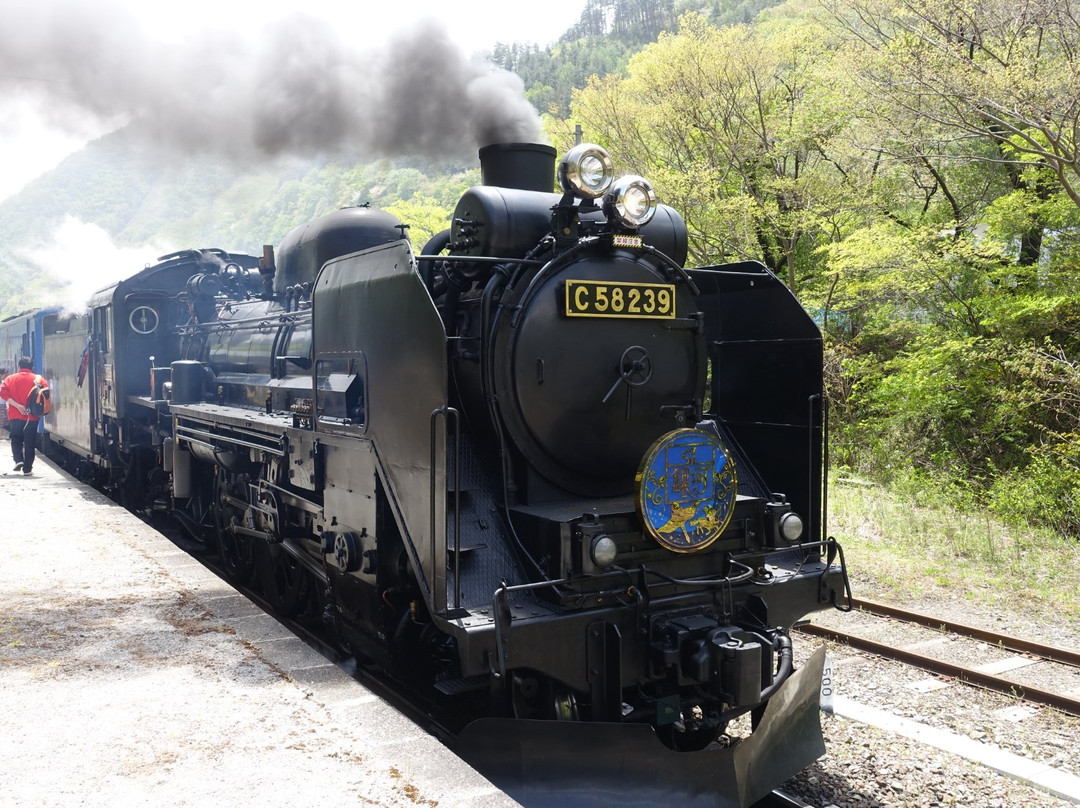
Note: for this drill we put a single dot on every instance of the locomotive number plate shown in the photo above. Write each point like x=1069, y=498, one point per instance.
x=612, y=299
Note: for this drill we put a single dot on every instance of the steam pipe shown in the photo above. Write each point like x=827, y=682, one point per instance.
x=267, y=269
x=787, y=667
x=435, y=245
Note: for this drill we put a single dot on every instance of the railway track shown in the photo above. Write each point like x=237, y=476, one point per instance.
x=779, y=799
x=990, y=676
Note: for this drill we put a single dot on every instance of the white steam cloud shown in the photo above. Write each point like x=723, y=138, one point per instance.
x=299, y=87
x=82, y=258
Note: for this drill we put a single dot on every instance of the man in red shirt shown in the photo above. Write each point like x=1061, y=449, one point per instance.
x=14, y=391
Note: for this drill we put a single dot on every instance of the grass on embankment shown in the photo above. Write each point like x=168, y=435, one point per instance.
x=906, y=550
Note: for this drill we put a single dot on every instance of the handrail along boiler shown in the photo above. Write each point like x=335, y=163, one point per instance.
x=541, y=469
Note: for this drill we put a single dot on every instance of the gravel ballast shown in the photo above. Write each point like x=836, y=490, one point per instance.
x=978, y=734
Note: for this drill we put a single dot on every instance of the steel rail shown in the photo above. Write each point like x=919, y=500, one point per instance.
x=963, y=673
x=1065, y=656
x=778, y=799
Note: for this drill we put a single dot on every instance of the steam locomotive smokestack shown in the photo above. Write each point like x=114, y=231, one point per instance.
x=525, y=166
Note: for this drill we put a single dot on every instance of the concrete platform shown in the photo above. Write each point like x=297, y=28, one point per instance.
x=130, y=675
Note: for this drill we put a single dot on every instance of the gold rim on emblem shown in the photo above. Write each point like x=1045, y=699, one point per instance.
x=685, y=490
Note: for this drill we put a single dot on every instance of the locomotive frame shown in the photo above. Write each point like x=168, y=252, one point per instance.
x=446, y=455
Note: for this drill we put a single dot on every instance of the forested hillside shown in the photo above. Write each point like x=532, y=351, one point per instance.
x=909, y=169
x=602, y=41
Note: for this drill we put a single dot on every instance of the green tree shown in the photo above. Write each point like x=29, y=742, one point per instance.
x=995, y=70
x=424, y=217
x=735, y=126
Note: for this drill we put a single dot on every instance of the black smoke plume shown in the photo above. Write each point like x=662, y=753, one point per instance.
x=300, y=87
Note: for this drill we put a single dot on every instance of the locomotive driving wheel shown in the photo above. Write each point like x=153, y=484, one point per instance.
x=235, y=549
x=285, y=583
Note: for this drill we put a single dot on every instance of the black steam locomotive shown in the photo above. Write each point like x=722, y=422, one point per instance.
x=542, y=470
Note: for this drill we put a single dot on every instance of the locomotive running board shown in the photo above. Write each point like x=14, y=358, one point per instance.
x=543, y=763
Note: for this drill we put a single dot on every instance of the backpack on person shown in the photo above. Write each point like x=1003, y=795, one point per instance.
x=39, y=402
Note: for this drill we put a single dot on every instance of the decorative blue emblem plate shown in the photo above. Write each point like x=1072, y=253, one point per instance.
x=685, y=489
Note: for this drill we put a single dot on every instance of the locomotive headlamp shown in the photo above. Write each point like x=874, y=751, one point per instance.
x=791, y=526
x=586, y=171
x=604, y=551
x=631, y=201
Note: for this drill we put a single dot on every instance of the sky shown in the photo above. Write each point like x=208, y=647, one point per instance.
x=257, y=79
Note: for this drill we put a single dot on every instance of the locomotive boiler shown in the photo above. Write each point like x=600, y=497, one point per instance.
x=542, y=471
